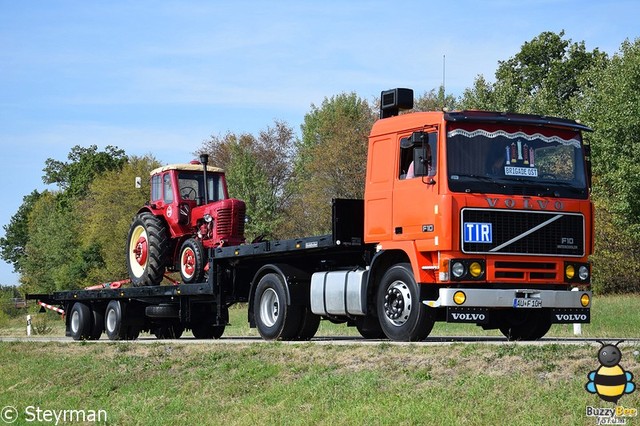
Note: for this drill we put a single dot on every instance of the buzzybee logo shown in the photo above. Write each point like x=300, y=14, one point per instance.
x=610, y=381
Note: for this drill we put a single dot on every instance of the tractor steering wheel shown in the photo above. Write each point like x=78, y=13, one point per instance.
x=188, y=193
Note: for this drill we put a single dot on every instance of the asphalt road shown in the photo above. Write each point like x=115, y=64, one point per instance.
x=337, y=340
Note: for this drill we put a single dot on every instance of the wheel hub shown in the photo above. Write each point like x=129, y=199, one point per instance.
x=141, y=251
x=269, y=307
x=188, y=263
x=397, y=303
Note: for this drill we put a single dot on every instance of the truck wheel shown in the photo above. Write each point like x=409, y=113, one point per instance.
x=274, y=318
x=525, y=324
x=80, y=321
x=192, y=261
x=114, y=324
x=97, y=323
x=309, y=325
x=369, y=327
x=146, y=250
x=402, y=316
x=168, y=331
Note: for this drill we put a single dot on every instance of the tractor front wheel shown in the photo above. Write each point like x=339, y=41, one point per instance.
x=192, y=261
x=147, y=247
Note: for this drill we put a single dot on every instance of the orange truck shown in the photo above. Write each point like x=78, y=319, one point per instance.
x=468, y=217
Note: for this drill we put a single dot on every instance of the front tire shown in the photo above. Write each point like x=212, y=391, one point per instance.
x=275, y=319
x=147, y=246
x=402, y=316
x=192, y=261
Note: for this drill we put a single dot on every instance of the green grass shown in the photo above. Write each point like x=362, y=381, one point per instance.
x=300, y=384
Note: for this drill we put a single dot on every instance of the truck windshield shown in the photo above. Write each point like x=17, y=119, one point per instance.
x=191, y=187
x=526, y=160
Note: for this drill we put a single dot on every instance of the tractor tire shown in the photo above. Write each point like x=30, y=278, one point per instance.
x=147, y=247
x=192, y=261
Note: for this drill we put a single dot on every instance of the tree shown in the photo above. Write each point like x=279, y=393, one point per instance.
x=331, y=160
x=258, y=170
x=12, y=245
x=106, y=213
x=434, y=101
x=74, y=177
x=542, y=78
x=612, y=108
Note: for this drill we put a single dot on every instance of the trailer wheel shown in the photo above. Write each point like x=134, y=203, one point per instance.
x=274, y=318
x=208, y=331
x=525, y=324
x=309, y=325
x=97, y=325
x=80, y=321
x=114, y=323
x=147, y=248
x=402, y=316
x=369, y=327
x=168, y=331
x=192, y=261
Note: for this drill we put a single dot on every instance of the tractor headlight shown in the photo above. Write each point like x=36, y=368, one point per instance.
x=207, y=217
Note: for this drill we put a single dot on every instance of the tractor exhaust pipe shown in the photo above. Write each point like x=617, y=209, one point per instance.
x=204, y=160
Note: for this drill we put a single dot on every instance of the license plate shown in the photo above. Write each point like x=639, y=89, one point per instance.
x=527, y=303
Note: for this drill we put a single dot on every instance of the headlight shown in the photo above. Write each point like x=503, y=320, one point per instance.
x=457, y=269
x=583, y=273
x=207, y=217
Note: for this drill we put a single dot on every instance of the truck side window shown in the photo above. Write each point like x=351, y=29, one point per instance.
x=408, y=151
x=168, y=190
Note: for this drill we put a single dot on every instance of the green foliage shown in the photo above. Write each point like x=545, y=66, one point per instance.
x=258, y=170
x=613, y=110
x=547, y=73
x=331, y=162
x=434, y=101
x=12, y=245
x=75, y=176
x=106, y=213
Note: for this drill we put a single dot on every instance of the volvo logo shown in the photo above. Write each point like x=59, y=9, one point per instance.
x=468, y=317
x=526, y=203
x=571, y=317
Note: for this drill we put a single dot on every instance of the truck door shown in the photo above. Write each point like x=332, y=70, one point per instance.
x=416, y=188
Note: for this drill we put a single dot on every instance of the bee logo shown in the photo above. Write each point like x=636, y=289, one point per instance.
x=610, y=381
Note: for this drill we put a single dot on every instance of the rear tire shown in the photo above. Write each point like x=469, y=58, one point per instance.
x=168, y=331
x=97, y=326
x=80, y=321
x=309, y=325
x=402, y=316
x=147, y=247
x=274, y=318
x=114, y=324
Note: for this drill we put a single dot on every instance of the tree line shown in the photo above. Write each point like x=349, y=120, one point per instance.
x=75, y=235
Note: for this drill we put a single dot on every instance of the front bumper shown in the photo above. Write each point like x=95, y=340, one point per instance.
x=492, y=298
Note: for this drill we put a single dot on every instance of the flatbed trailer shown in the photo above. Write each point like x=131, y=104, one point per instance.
x=235, y=271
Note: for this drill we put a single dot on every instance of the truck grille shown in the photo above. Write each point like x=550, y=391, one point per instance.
x=494, y=231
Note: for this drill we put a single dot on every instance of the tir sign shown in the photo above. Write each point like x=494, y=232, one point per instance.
x=475, y=232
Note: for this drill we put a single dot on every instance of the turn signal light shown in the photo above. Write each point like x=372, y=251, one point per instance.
x=459, y=297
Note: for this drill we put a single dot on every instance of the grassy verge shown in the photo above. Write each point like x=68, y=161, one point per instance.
x=277, y=383
x=615, y=316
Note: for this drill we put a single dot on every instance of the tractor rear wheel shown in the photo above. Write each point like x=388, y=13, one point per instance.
x=147, y=247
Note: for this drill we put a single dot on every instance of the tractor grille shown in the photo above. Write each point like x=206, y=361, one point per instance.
x=230, y=221
x=487, y=231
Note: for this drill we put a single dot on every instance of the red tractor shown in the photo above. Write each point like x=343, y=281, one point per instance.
x=183, y=218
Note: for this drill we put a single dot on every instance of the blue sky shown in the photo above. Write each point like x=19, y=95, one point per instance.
x=160, y=77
